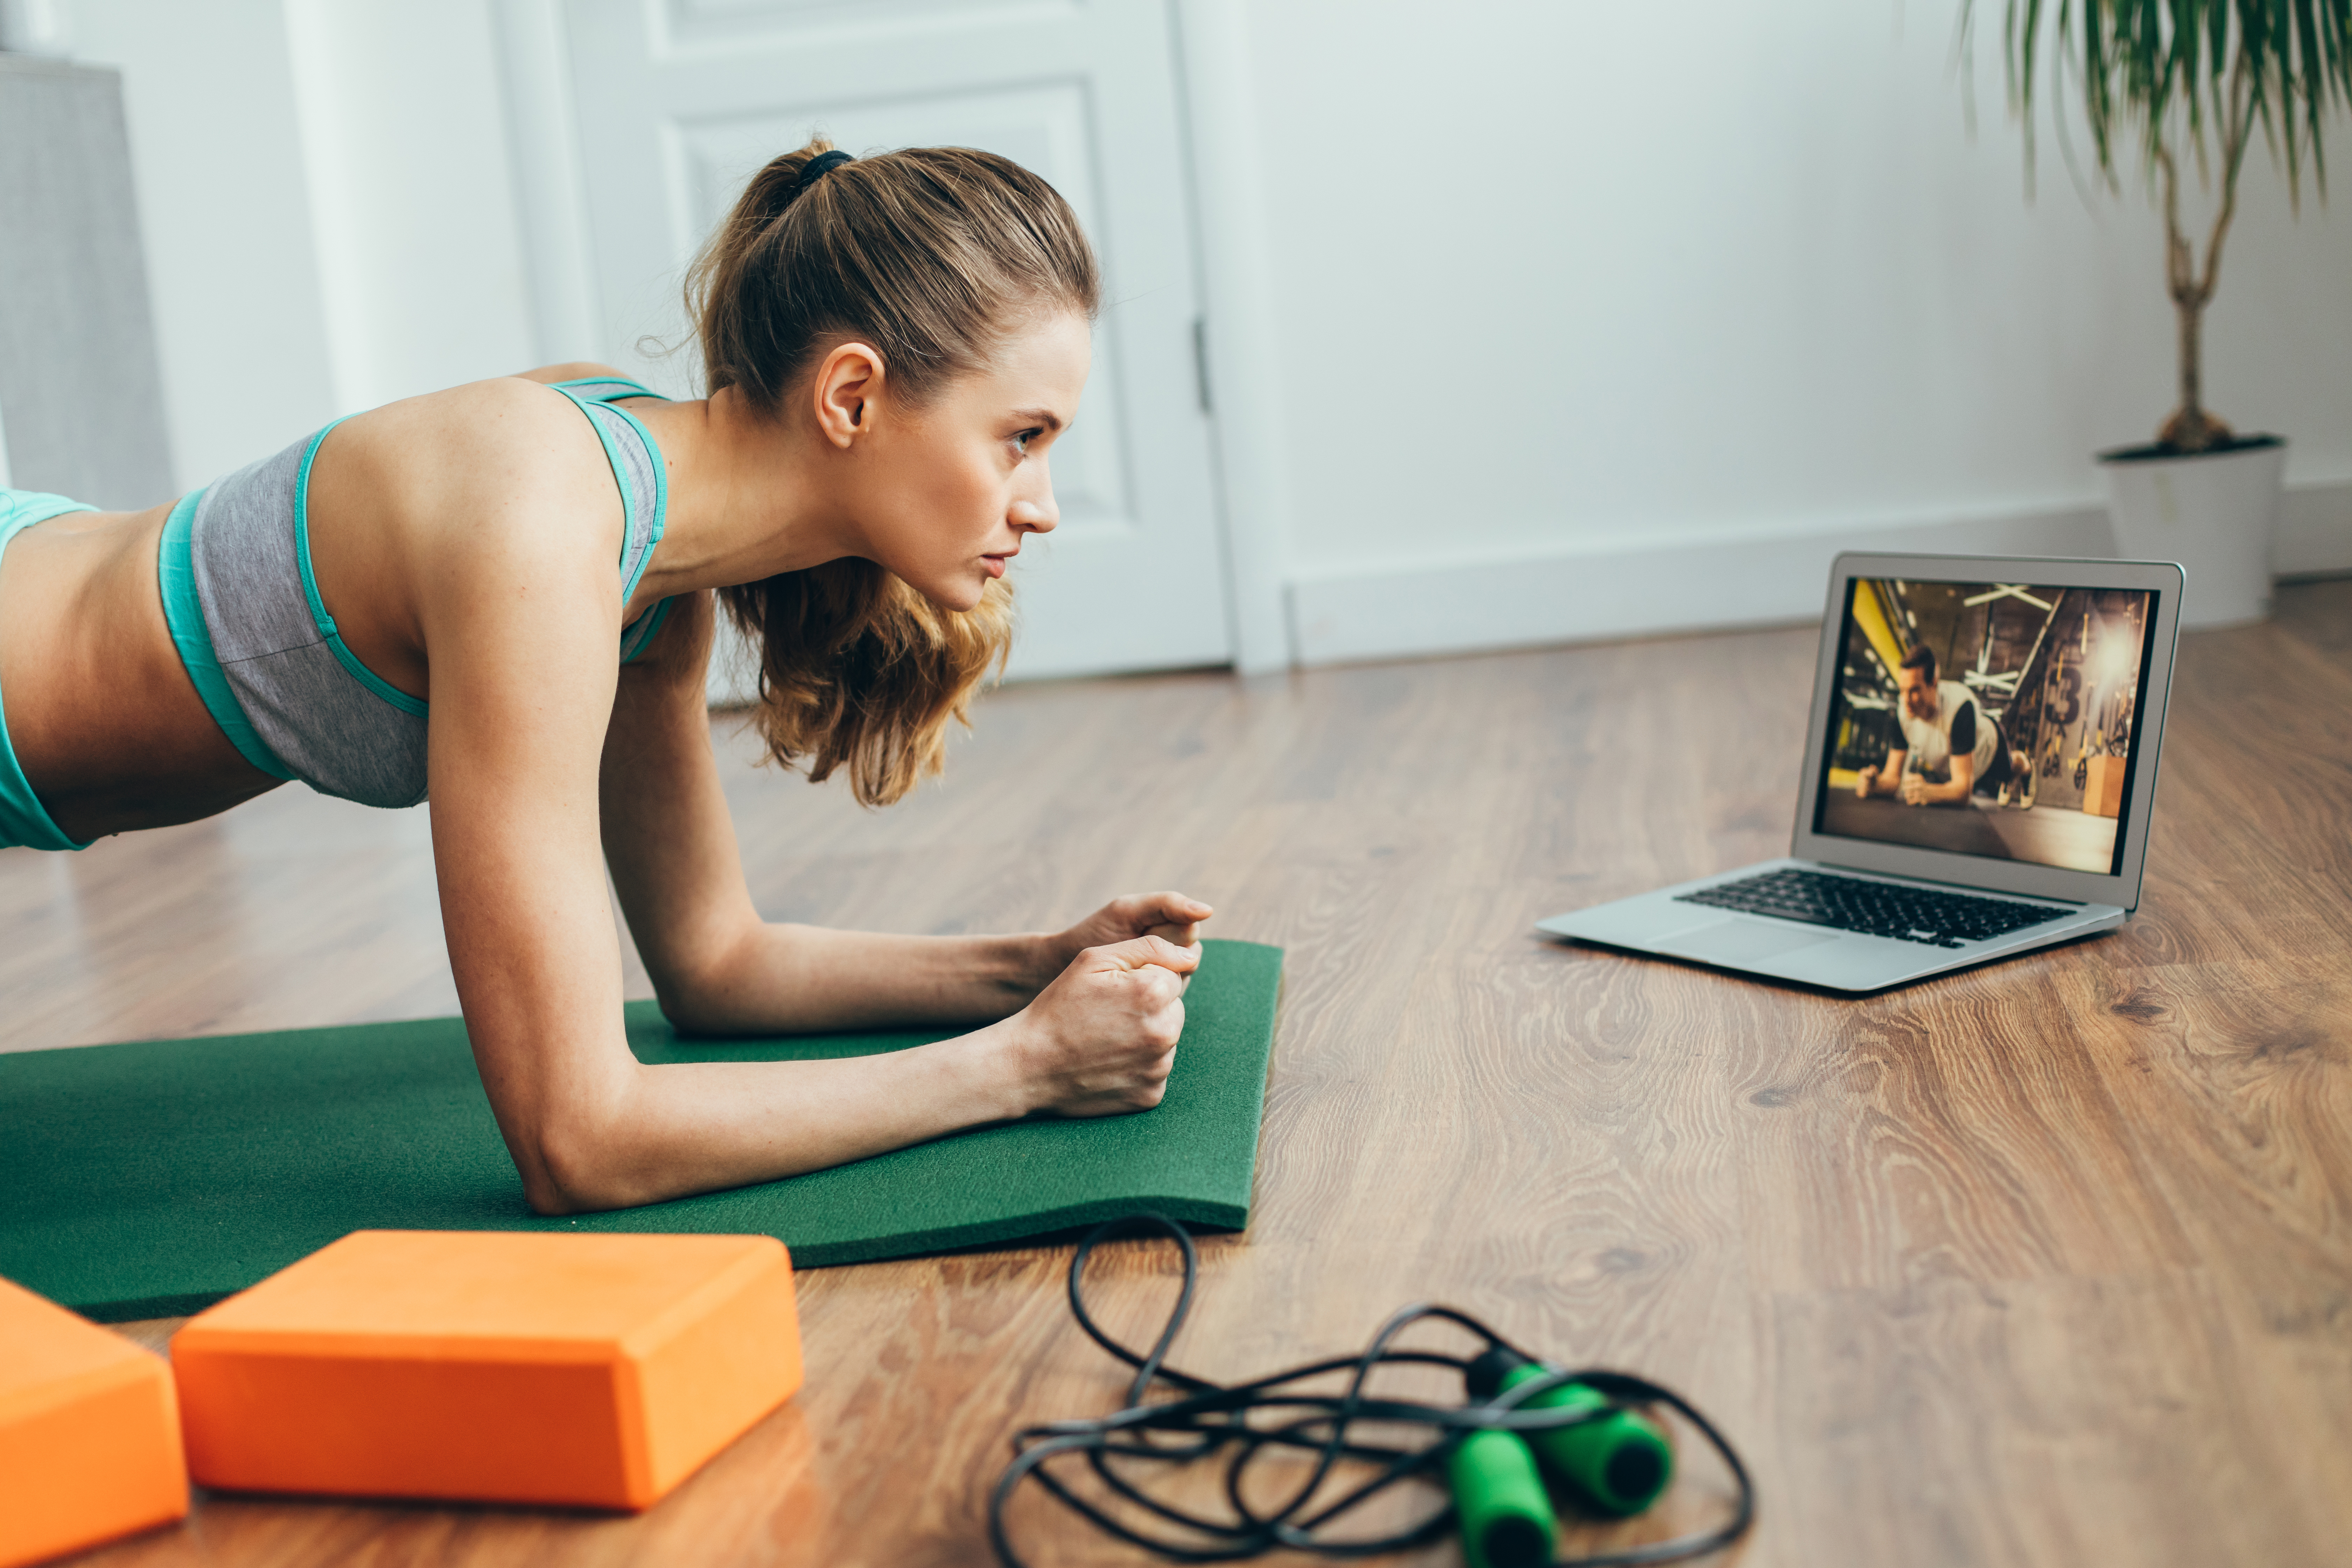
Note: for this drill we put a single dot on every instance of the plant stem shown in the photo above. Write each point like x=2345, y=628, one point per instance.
x=2188, y=427
x=2191, y=320
x=2191, y=428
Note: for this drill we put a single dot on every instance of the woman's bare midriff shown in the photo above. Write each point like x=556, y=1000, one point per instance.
x=105, y=721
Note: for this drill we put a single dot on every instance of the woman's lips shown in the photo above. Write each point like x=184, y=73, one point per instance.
x=996, y=565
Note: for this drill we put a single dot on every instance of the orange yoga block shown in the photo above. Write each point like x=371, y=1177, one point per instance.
x=541, y=1367
x=90, y=1433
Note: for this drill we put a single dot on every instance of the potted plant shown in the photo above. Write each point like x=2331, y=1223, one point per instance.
x=2193, y=80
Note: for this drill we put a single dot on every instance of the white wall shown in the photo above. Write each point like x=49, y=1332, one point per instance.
x=224, y=211
x=1558, y=319
x=1570, y=296
x=404, y=153
x=327, y=205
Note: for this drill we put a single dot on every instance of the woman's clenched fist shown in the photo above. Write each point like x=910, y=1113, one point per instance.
x=1101, y=1039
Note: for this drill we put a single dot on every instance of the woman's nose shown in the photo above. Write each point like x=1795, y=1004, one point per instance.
x=1038, y=513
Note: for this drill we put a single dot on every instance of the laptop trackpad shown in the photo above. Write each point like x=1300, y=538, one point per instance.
x=1738, y=940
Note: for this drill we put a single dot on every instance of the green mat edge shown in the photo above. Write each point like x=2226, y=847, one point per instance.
x=1039, y=1227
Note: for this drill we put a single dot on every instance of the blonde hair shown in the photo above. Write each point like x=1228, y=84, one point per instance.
x=934, y=256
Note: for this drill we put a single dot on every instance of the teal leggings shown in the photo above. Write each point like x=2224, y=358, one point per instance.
x=23, y=820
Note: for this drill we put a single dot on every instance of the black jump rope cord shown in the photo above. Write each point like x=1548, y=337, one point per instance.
x=1207, y=1417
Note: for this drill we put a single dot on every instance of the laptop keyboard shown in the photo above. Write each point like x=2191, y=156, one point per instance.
x=1874, y=909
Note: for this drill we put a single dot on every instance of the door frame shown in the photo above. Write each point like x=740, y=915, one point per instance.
x=1242, y=375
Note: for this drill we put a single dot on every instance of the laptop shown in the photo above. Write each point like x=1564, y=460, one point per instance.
x=1978, y=778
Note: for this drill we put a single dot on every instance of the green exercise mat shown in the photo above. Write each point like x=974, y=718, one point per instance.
x=148, y=1180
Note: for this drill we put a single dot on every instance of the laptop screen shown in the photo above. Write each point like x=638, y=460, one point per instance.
x=1988, y=719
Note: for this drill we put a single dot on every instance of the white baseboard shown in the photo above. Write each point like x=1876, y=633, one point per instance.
x=1698, y=581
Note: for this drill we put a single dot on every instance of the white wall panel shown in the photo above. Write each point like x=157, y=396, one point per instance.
x=1567, y=277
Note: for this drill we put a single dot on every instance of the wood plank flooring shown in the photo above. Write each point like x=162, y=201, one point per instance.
x=2050, y=1262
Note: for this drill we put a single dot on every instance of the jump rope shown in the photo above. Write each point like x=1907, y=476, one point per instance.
x=1520, y=1420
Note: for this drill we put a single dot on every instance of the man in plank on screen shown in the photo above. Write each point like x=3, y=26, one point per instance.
x=1951, y=749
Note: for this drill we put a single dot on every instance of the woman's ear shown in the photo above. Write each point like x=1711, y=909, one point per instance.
x=847, y=385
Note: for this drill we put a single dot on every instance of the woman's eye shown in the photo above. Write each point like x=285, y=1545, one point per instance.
x=1021, y=442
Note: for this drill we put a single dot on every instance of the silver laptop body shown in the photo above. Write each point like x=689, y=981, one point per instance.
x=2069, y=663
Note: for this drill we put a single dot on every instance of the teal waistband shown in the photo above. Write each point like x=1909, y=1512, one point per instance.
x=22, y=508
x=23, y=820
x=184, y=612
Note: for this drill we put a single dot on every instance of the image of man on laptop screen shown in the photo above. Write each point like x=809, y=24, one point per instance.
x=1989, y=719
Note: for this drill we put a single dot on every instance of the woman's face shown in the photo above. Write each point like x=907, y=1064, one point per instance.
x=954, y=489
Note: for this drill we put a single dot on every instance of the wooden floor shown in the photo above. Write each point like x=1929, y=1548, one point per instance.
x=2046, y=1263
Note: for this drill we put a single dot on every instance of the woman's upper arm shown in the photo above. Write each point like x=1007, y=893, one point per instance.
x=520, y=622
x=669, y=837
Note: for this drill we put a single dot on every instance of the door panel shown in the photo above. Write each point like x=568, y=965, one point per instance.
x=679, y=100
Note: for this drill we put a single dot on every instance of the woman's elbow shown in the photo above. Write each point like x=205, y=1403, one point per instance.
x=698, y=1009
x=579, y=1164
x=715, y=991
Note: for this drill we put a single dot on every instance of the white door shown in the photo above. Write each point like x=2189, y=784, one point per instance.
x=676, y=102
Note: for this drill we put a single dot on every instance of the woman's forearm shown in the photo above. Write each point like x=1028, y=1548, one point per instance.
x=791, y=979
x=603, y=1131
x=677, y=1129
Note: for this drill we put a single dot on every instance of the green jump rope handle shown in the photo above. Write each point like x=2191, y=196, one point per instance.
x=1620, y=1462
x=1507, y=1519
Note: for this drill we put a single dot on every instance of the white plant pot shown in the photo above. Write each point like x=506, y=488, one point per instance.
x=2214, y=514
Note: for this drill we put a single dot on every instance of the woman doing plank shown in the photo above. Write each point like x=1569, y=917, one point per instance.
x=503, y=597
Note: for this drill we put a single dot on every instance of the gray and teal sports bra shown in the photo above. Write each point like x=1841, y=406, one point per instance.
x=265, y=655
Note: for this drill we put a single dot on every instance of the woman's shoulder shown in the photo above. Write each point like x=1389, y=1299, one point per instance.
x=486, y=465
x=505, y=432
x=504, y=407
